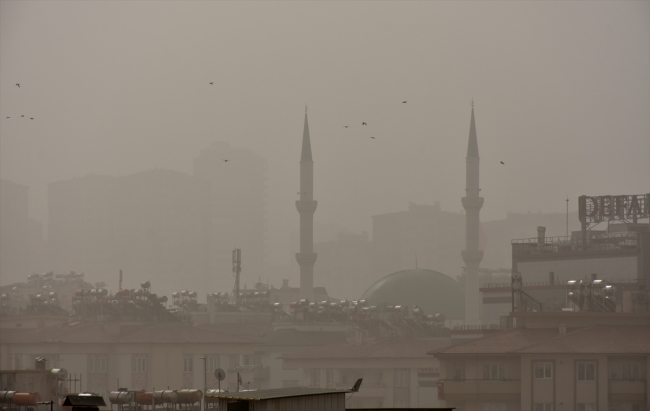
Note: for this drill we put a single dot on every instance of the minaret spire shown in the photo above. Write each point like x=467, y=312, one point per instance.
x=306, y=207
x=472, y=204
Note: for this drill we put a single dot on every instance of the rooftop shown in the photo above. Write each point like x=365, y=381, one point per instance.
x=277, y=393
x=401, y=348
x=604, y=339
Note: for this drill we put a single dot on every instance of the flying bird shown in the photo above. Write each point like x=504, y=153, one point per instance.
x=31, y=118
x=372, y=137
x=346, y=126
x=8, y=117
x=22, y=115
x=18, y=85
x=364, y=123
x=404, y=102
x=225, y=161
x=212, y=82
x=502, y=162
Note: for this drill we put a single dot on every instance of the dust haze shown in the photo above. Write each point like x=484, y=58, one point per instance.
x=561, y=95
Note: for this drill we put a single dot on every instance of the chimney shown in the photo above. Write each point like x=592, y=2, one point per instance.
x=541, y=237
x=551, y=278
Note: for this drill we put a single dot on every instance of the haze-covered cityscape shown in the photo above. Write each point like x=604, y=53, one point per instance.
x=324, y=206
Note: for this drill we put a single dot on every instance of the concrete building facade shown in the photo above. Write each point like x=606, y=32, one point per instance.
x=236, y=178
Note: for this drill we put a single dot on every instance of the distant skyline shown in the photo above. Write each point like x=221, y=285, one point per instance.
x=561, y=93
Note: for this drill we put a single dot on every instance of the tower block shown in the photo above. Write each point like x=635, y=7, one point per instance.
x=472, y=204
x=306, y=207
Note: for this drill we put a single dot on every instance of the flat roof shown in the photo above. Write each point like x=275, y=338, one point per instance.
x=276, y=393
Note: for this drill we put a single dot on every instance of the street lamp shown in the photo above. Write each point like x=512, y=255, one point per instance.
x=205, y=378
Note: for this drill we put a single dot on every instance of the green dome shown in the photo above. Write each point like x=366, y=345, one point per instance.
x=434, y=292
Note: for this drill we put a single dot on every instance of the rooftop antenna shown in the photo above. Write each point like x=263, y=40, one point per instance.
x=236, y=269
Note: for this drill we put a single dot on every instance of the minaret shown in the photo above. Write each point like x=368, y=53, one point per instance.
x=306, y=207
x=472, y=204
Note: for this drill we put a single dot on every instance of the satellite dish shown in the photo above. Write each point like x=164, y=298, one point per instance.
x=219, y=374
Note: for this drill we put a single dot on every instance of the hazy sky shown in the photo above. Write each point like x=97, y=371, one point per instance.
x=561, y=92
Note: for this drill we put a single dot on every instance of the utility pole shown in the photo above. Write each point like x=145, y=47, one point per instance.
x=236, y=269
x=205, y=378
x=567, y=216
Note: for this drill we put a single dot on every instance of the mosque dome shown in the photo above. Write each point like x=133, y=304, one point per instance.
x=431, y=290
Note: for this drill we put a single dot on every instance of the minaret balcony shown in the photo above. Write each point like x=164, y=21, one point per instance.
x=472, y=256
x=472, y=203
x=306, y=259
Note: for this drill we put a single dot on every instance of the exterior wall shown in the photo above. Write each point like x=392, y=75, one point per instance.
x=152, y=224
x=237, y=209
x=578, y=268
x=344, y=265
x=380, y=387
x=14, y=232
x=164, y=366
x=327, y=402
x=562, y=390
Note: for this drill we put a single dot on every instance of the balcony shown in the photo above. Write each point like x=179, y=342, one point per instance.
x=627, y=387
x=482, y=388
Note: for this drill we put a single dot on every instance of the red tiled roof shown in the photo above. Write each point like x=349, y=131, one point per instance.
x=402, y=348
x=607, y=339
x=99, y=333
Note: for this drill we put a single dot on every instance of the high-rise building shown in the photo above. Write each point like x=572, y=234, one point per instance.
x=306, y=207
x=472, y=203
x=237, y=181
x=14, y=231
x=153, y=225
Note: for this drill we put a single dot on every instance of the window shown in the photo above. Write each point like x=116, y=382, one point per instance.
x=188, y=364
x=458, y=371
x=543, y=406
x=625, y=406
x=140, y=363
x=402, y=403
x=248, y=361
x=329, y=378
x=586, y=371
x=18, y=361
x=586, y=406
x=315, y=378
x=402, y=378
x=543, y=370
x=625, y=371
x=96, y=364
x=211, y=363
x=289, y=383
x=494, y=371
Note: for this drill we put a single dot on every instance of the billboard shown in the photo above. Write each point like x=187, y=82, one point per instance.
x=593, y=210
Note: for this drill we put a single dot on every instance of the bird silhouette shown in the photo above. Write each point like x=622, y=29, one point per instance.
x=346, y=126
x=8, y=117
x=212, y=82
x=225, y=161
x=373, y=137
x=502, y=162
x=18, y=85
x=364, y=123
x=31, y=118
x=22, y=115
x=404, y=102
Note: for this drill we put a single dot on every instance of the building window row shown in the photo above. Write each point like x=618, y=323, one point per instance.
x=96, y=364
x=494, y=371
